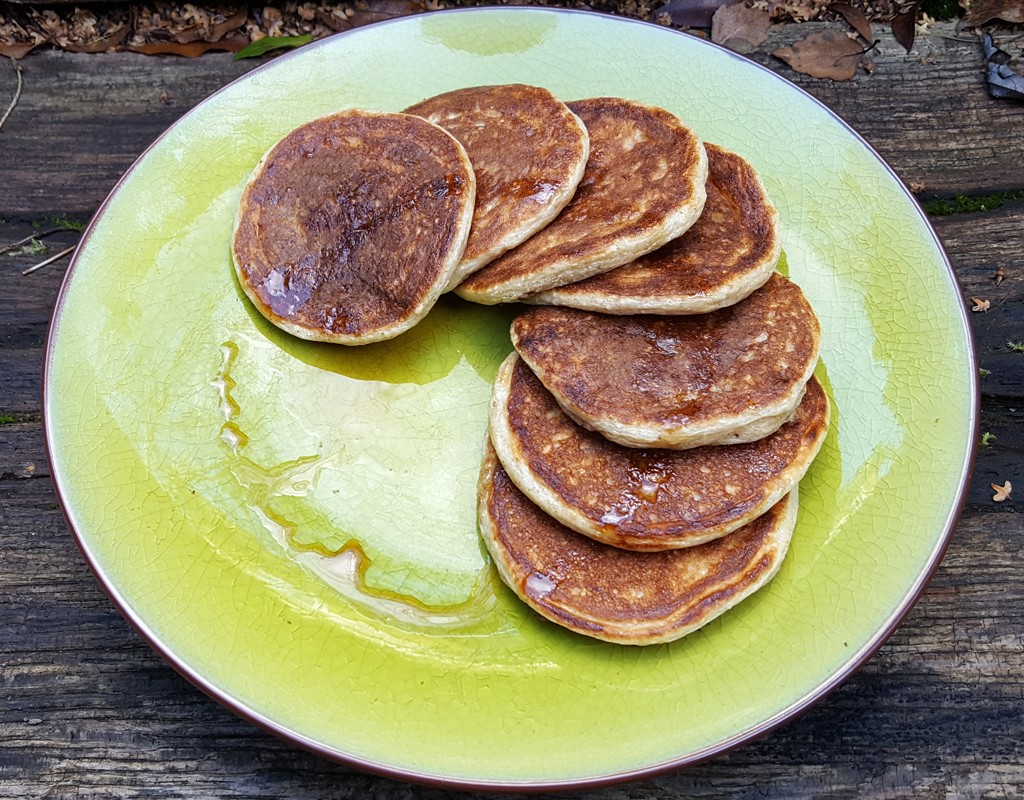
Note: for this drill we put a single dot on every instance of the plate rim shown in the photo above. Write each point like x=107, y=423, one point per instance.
x=785, y=715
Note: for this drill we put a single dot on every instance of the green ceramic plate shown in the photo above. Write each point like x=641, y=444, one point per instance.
x=292, y=524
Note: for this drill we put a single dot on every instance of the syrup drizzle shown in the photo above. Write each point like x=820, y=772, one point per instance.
x=644, y=481
x=343, y=568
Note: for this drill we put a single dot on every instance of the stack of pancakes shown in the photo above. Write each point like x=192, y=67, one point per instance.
x=649, y=431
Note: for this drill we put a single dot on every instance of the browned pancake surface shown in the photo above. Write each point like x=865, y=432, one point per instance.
x=645, y=499
x=735, y=241
x=351, y=222
x=618, y=595
x=672, y=372
x=528, y=152
x=644, y=166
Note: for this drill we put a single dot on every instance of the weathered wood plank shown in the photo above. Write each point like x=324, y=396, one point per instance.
x=120, y=101
x=25, y=306
x=980, y=245
x=928, y=112
x=905, y=108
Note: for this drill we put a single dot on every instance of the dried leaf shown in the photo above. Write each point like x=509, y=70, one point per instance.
x=983, y=11
x=268, y=43
x=904, y=25
x=1001, y=492
x=829, y=54
x=16, y=50
x=333, y=18
x=740, y=28
x=855, y=17
x=690, y=13
x=1003, y=82
x=112, y=39
x=386, y=9
x=231, y=44
x=999, y=275
x=211, y=30
x=980, y=305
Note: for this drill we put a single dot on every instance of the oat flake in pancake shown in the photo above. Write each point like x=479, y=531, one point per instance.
x=353, y=224
x=528, y=152
x=642, y=187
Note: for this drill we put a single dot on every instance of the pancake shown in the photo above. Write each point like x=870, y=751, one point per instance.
x=352, y=225
x=731, y=376
x=643, y=186
x=729, y=252
x=644, y=499
x=617, y=595
x=528, y=152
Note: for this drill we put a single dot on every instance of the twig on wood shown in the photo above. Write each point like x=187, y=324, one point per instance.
x=32, y=238
x=17, y=92
x=50, y=260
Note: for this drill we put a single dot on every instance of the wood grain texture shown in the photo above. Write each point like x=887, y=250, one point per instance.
x=119, y=102
x=927, y=112
x=87, y=710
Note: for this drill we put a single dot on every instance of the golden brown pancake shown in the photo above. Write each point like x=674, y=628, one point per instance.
x=729, y=252
x=617, y=595
x=644, y=499
x=352, y=225
x=528, y=152
x=727, y=377
x=643, y=186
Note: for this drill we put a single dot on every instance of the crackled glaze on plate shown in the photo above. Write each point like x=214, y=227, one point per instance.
x=213, y=468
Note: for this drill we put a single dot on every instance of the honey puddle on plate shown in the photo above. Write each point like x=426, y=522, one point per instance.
x=289, y=497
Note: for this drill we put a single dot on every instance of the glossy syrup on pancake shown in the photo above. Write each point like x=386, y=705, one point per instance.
x=617, y=595
x=729, y=252
x=644, y=498
x=643, y=186
x=726, y=377
x=528, y=152
x=353, y=224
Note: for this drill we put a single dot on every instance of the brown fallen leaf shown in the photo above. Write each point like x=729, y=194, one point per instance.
x=386, y=9
x=999, y=275
x=211, y=30
x=116, y=36
x=1001, y=492
x=16, y=50
x=829, y=54
x=982, y=11
x=904, y=25
x=232, y=44
x=856, y=18
x=917, y=188
x=980, y=305
x=740, y=28
x=333, y=18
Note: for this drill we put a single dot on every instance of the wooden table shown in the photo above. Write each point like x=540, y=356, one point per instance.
x=88, y=710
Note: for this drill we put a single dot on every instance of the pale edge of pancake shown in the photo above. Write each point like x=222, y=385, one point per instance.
x=658, y=631
x=560, y=199
x=756, y=423
x=726, y=294
x=512, y=458
x=570, y=269
x=417, y=312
